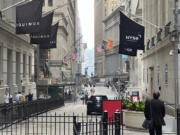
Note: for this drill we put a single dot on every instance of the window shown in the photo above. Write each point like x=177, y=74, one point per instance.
x=166, y=74
x=147, y=75
x=144, y=70
x=50, y=3
x=158, y=75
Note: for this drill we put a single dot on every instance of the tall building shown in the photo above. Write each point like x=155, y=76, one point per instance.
x=102, y=8
x=158, y=65
x=16, y=56
x=66, y=44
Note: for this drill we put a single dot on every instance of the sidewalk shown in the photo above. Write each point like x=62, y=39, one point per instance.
x=131, y=131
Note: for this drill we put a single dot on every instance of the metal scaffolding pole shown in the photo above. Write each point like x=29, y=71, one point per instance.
x=176, y=64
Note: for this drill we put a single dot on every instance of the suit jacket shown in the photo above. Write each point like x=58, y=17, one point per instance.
x=158, y=111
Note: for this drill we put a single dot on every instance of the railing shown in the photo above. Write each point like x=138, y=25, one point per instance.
x=62, y=124
x=14, y=113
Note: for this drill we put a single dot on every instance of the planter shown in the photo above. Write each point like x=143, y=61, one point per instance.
x=133, y=119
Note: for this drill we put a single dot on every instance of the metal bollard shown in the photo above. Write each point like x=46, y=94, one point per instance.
x=178, y=121
x=105, y=123
x=117, y=123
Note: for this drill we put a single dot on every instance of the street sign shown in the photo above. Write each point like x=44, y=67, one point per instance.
x=55, y=63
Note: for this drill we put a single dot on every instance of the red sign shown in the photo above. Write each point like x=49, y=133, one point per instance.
x=135, y=98
x=111, y=106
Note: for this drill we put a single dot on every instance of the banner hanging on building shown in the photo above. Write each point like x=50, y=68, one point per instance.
x=98, y=48
x=131, y=35
x=127, y=50
x=28, y=17
x=44, y=33
x=110, y=44
x=53, y=38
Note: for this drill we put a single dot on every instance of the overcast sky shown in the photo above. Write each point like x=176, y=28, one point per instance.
x=86, y=14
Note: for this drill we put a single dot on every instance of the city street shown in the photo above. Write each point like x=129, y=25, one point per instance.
x=79, y=108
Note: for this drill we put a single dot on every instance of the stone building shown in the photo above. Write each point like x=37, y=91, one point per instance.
x=65, y=39
x=102, y=8
x=16, y=56
x=158, y=65
x=113, y=61
x=133, y=9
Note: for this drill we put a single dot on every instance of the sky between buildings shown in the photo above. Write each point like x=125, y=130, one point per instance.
x=86, y=14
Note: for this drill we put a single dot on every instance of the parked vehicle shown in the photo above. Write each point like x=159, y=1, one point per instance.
x=95, y=104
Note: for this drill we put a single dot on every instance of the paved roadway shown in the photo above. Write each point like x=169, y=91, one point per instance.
x=77, y=108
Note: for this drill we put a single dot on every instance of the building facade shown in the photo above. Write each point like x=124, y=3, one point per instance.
x=158, y=65
x=114, y=66
x=65, y=39
x=102, y=8
x=16, y=57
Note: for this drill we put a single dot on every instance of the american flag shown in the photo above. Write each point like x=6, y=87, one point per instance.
x=84, y=45
x=99, y=48
x=73, y=56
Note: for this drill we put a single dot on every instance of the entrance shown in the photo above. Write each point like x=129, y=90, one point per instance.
x=151, y=80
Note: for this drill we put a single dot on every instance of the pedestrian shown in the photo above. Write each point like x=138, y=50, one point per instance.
x=7, y=97
x=155, y=111
x=30, y=96
x=17, y=96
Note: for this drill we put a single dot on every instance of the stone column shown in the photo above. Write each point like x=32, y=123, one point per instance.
x=14, y=85
x=4, y=62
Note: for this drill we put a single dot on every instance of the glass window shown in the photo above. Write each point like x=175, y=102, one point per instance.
x=147, y=75
x=50, y=3
x=158, y=75
x=166, y=74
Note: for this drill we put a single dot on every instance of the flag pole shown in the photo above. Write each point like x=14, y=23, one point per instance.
x=2, y=10
x=60, y=6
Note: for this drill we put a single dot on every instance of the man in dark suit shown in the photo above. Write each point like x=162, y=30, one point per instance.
x=158, y=113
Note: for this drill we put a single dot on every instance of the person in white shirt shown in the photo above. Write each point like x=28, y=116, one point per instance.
x=17, y=96
x=7, y=97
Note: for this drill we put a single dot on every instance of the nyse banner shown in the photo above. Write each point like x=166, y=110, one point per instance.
x=44, y=33
x=131, y=35
x=127, y=50
x=28, y=17
x=53, y=38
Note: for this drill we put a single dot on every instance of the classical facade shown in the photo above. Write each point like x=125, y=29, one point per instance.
x=133, y=9
x=113, y=61
x=101, y=10
x=16, y=57
x=158, y=65
x=65, y=39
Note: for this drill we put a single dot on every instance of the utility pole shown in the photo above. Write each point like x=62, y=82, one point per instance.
x=176, y=64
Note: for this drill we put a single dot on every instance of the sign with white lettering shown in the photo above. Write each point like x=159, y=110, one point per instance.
x=28, y=17
x=44, y=33
x=53, y=38
x=131, y=36
x=55, y=63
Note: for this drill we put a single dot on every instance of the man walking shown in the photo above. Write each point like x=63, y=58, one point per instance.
x=155, y=111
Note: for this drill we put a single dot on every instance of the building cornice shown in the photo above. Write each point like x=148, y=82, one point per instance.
x=160, y=45
x=113, y=14
x=11, y=30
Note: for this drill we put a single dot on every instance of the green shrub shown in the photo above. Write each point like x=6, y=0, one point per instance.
x=133, y=106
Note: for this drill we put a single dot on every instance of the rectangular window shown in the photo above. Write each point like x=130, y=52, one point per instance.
x=158, y=75
x=50, y=3
x=147, y=75
x=166, y=74
x=24, y=65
